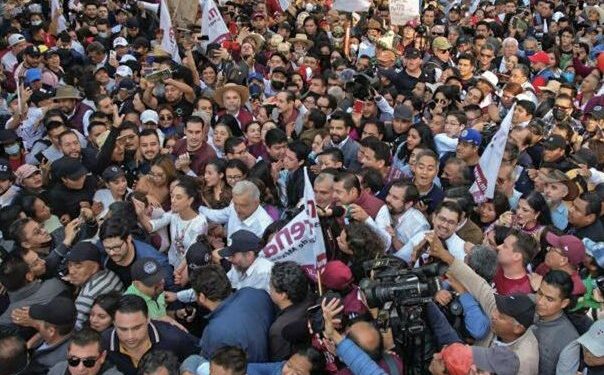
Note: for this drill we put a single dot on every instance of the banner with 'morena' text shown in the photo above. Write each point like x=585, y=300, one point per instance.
x=301, y=240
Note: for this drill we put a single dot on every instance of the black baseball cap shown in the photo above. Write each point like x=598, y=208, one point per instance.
x=7, y=136
x=554, y=142
x=518, y=306
x=597, y=112
x=83, y=251
x=60, y=311
x=198, y=255
x=6, y=172
x=241, y=241
x=413, y=53
x=132, y=22
x=112, y=172
x=148, y=271
x=69, y=168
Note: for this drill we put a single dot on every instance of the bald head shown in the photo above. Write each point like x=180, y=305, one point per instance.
x=368, y=338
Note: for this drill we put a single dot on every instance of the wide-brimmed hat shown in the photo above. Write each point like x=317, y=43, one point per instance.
x=552, y=86
x=67, y=92
x=557, y=176
x=302, y=38
x=257, y=38
x=243, y=92
x=490, y=78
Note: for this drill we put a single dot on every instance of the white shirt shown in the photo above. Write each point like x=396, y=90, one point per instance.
x=454, y=244
x=9, y=60
x=105, y=197
x=444, y=144
x=379, y=225
x=255, y=223
x=183, y=233
x=409, y=224
x=258, y=275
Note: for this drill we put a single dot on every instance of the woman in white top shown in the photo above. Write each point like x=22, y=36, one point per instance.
x=185, y=222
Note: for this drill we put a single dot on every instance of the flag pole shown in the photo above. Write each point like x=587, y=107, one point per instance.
x=319, y=282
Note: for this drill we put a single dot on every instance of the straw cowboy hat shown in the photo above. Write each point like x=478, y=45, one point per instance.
x=256, y=38
x=241, y=90
x=67, y=92
x=302, y=38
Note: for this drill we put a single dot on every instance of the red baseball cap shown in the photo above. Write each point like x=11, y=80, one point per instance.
x=458, y=358
x=336, y=275
x=540, y=56
x=571, y=247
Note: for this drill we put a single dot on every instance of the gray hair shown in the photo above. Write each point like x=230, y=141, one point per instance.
x=246, y=187
x=510, y=40
x=337, y=93
x=325, y=177
x=483, y=260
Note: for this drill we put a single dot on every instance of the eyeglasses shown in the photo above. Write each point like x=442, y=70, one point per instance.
x=443, y=51
x=234, y=178
x=166, y=118
x=115, y=248
x=88, y=362
x=562, y=107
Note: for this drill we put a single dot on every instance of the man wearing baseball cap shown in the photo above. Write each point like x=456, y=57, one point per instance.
x=564, y=253
x=88, y=276
x=16, y=43
x=248, y=270
x=54, y=322
x=539, y=65
x=74, y=187
x=148, y=283
x=468, y=146
x=592, y=343
x=7, y=190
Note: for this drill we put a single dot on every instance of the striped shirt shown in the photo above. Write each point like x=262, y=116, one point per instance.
x=102, y=282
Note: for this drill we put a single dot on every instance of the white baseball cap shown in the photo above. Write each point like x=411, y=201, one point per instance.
x=120, y=42
x=127, y=58
x=123, y=71
x=15, y=39
x=149, y=115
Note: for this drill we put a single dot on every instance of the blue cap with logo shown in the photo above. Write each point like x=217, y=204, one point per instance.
x=472, y=136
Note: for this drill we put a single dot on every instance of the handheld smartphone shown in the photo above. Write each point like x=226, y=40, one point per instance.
x=112, y=54
x=358, y=106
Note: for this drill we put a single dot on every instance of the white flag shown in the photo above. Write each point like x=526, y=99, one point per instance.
x=212, y=23
x=301, y=240
x=352, y=5
x=168, y=40
x=485, y=173
x=284, y=4
x=55, y=6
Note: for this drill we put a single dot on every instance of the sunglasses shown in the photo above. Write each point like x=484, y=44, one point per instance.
x=165, y=118
x=75, y=362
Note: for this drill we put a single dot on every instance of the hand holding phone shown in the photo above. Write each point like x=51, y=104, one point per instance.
x=358, y=106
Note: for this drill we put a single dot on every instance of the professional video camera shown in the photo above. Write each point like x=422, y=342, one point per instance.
x=401, y=294
x=402, y=286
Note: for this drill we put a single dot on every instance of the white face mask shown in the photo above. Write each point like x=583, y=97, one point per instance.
x=36, y=22
x=12, y=149
x=103, y=34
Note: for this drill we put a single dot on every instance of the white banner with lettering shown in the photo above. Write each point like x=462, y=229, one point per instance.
x=487, y=170
x=212, y=23
x=168, y=40
x=301, y=240
x=352, y=5
x=403, y=11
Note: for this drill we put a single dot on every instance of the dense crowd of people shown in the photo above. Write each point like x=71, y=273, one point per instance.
x=139, y=187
